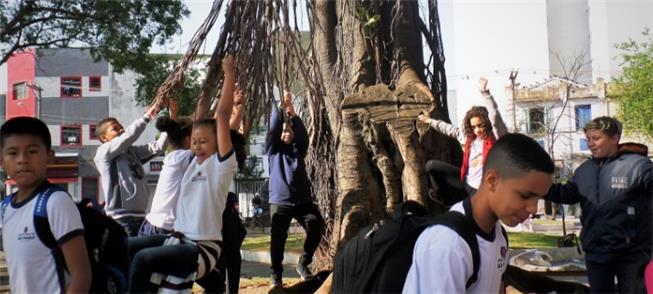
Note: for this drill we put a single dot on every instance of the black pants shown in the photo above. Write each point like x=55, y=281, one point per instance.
x=309, y=218
x=149, y=256
x=628, y=269
x=446, y=178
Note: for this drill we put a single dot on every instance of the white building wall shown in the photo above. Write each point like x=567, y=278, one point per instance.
x=569, y=37
x=491, y=38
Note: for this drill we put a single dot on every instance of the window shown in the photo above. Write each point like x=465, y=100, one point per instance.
x=583, y=145
x=90, y=188
x=71, y=135
x=95, y=84
x=91, y=132
x=156, y=166
x=71, y=87
x=541, y=142
x=583, y=115
x=535, y=120
x=20, y=91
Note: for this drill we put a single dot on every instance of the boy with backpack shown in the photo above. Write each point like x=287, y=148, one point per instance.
x=517, y=173
x=120, y=166
x=33, y=267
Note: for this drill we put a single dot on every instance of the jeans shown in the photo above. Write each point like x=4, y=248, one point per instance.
x=149, y=256
x=628, y=269
x=132, y=224
x=148, y=229
x=309, y=217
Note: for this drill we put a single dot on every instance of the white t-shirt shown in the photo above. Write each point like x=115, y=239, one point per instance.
x=442, y=261
x=203, y=195
x=164, y=202
x=31, y=266
x=475, y=167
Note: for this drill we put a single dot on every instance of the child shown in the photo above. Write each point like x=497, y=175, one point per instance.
x=201, y=203
x=120, y=166
x=481, y=128
x=162, y=212
x=26, y=151
x=517, y=173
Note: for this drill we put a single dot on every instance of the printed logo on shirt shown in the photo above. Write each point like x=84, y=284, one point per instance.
x=26, y=236
x=502, y=259
x=198, y=177
x=619, y=183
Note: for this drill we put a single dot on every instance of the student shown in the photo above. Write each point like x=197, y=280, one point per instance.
x=481, y=128
x=290, y=191
x=26, y=151
x=201, y=203
x=162, y=212
x=614, y=188
x=517, y=173
x=120, y=166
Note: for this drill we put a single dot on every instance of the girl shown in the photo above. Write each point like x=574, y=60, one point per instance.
x=478, y=135
x=162, y=212
x=204, y=187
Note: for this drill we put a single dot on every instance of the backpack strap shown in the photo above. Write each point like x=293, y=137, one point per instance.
x=114, y=184
x=43, y=231
x=4, y=204
x=465, y=229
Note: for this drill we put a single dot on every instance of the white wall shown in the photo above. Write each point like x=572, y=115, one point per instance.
x=490, y=38
x=612, y=22
x=569, y=37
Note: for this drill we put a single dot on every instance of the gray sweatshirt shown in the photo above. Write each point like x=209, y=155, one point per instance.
x=133, y=193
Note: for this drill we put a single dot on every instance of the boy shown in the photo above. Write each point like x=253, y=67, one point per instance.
x=614, y=188
x=120, y=166
x=26, y=151
x=517, y=173
x=290, y=191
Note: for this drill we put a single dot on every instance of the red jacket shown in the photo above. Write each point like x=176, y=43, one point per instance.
x=487, y=145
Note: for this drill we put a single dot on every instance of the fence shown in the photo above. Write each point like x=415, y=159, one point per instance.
x=246, y=189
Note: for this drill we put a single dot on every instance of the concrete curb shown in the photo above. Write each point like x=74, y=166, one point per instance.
x=264, y=257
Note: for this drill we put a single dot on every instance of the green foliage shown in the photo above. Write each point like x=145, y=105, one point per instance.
x=121, y=32
x=635, y=86
x=156, y=72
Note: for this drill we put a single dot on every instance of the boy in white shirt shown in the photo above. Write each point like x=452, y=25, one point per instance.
x=26, y=151
x=517, y=173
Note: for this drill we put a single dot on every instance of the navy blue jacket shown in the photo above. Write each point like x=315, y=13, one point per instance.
x=615, y=195
x=289, y=183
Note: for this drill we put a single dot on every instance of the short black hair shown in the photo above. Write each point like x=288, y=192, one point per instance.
x=516, y=154
x=25, y=125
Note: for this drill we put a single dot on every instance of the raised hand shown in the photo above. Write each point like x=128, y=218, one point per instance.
x=423, y=118
x=482, y=85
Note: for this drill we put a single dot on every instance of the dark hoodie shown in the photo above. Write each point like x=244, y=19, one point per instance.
x=615, y=195
x=289, y=183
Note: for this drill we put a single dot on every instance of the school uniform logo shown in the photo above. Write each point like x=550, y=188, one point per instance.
x=199, y=177
x=502, y=259
x=619, y=183
x=26, y=235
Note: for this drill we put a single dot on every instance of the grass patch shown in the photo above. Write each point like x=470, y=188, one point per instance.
x=294, y=243
x=532, y=240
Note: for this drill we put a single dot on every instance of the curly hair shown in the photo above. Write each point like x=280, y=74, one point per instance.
x=480, y=112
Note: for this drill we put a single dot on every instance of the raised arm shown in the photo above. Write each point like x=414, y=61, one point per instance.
x=273, y=137
x=225, y=107
x=498, y=125
x=238, y=114
x=443, y=127
x=118, y=145
x=301, y=134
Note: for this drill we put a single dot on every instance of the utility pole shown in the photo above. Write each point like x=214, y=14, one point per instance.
x=35, y=87
x=513, y=77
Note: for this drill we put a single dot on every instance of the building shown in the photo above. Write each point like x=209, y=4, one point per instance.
x=71, y=92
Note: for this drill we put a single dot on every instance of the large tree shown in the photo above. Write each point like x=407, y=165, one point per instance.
x=121, y=32
x=365, y=82
x=635, y=86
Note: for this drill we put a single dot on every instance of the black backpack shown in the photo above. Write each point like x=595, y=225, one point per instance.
x=106, y=243
x=377, y=260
